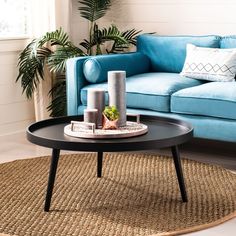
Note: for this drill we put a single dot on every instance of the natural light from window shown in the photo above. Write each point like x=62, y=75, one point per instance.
x=14, y=18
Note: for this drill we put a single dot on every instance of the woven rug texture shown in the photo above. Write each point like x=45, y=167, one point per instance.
x=138, y=195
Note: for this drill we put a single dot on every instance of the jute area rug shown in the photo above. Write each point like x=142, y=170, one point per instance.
x=138, y=195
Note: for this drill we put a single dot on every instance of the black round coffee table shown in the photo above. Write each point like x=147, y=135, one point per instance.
x=162, y=132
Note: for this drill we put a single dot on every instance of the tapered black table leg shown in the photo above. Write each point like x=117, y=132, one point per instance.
x=179, y=172
x=51, y=178
x=99, y=164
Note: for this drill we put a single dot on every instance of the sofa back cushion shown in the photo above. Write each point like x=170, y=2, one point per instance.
x=95, y=68
x=228, y=42
x=167, y=53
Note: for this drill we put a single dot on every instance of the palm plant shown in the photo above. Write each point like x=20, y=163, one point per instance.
x=54, y=48
x=50, y=50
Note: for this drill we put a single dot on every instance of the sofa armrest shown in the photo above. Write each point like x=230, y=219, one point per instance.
x=75, y=81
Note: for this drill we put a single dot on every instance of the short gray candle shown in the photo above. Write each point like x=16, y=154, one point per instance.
x=117, y=93
x=96, y=100
x=90, y=116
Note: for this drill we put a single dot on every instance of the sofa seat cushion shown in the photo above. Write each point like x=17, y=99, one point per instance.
x=149, y=90
x=215, y=99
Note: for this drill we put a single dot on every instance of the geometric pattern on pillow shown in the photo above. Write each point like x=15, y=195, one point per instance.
x=208, y=68
x=211, y=64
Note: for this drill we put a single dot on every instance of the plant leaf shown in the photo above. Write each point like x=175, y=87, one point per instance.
x=58, y=94
x=57, y=37
x=93, y=10
x=31, y=67
x=35, y=56
x=57, y=60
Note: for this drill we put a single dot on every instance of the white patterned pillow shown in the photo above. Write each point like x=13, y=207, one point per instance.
x=213, y=64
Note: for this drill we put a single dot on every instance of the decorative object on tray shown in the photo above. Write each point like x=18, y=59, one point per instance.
x=117, y=93
x=87, y=130
x=96, y=100
x=81, y=126
x=90, y=116
x=110, y=118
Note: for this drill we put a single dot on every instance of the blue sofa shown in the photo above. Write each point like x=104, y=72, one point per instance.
x=155, y=87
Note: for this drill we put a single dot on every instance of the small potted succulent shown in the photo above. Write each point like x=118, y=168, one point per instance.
x=110, y=118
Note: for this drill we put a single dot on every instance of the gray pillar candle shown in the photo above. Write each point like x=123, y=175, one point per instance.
x=117, y=93
x=90, y=116
x=96, y=100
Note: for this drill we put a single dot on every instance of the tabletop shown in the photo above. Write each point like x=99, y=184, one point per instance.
x=162, y=132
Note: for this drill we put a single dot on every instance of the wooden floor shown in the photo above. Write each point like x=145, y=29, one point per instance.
x=212, y=152
x=16, y=146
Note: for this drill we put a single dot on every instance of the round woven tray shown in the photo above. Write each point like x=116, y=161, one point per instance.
x=130, y=130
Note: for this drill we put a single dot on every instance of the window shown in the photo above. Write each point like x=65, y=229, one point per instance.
x=14, y=18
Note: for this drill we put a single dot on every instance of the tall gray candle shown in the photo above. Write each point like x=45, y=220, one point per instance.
x=117, y=93
x=96, y=100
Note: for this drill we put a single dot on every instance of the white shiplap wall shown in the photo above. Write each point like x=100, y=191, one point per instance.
x=170, y=17
x=15, y=111
x=174, y=17
x=79, y=26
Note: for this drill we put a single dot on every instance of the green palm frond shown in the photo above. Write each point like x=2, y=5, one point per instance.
x=86, y=44
x=100, y=36
x=131, y=35
x=34, y=57
x=112, y=33
x=131, y=38
x=57, y=60
x=93, y=10
x=31, y=67
x=58, y=94
x=57, y=37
